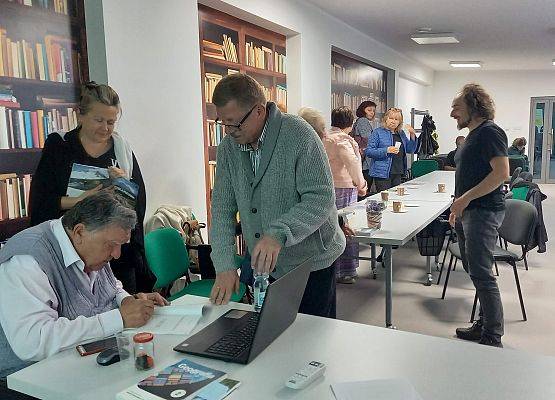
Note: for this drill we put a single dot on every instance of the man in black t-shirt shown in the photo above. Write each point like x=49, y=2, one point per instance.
x=450, y=161
x=479, y=206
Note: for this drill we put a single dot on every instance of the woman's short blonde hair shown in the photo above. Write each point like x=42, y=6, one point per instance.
x=396, y=111
x=315, y=119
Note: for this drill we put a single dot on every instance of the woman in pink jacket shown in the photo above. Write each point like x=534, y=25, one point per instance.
x=346, y=168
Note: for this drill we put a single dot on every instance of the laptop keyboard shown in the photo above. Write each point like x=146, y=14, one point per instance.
x=232, y=344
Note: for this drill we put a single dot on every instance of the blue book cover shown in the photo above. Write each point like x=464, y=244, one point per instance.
x=181, y=381
x=28, y=129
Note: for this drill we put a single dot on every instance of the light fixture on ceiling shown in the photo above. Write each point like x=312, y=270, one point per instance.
x=465, y=64
x=553, y=61
x=434, y=38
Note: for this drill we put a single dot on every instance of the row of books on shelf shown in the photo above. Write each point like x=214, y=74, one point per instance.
x=216, y=133
x=21, y=129
x=345, y=99
x=264, y=58
x=14, y=196
x=59, y=6
x=53, y=59
x=225, y=51
x=281, y=95
x=357, y=76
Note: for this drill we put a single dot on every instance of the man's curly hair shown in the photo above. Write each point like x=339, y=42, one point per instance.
x=478, y=101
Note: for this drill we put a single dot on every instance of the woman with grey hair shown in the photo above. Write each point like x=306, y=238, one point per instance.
x=95, y=143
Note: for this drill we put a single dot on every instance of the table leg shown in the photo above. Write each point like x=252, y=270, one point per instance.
x=388, y=263
x=373, y=261
x=429, y=265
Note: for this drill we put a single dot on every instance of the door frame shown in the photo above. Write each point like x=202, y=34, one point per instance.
x=547, y=139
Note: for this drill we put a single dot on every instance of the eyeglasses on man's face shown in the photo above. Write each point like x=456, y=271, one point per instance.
x=237, y=126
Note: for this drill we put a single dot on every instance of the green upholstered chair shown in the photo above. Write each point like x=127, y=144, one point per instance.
x=423, y=167
x=168, y=260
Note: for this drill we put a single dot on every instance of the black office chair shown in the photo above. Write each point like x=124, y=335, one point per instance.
x=517, y=228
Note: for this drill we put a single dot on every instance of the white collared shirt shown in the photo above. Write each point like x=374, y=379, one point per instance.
x=28, y=306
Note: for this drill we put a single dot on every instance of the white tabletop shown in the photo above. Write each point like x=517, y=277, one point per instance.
x=438, y=368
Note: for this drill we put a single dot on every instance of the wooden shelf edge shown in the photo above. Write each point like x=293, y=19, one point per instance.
x=31, y=150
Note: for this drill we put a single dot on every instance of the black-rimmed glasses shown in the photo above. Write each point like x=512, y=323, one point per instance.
x=236, y=126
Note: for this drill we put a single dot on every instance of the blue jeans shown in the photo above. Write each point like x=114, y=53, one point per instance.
x=477, y=237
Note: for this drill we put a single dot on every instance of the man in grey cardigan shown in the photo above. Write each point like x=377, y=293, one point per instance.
x=273, y=170
x=57, y=288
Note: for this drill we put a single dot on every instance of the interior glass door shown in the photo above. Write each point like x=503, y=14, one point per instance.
x=541, y=148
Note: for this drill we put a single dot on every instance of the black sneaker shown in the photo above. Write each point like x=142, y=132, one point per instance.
x=489, y=341
x=472, y=333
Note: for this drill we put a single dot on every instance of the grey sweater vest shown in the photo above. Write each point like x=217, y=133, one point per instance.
x=74, y=299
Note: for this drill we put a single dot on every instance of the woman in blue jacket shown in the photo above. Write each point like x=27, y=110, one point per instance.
x=389, y=161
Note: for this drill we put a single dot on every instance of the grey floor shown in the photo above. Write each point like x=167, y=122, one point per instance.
x=420, y=309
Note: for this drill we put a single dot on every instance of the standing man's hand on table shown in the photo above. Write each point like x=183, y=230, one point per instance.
x=225, y=285
x=265, y=254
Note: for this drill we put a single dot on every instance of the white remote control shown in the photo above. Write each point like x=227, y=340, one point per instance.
x=305, y=376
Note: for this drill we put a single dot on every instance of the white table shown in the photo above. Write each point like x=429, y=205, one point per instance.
x=398, y=228
x=438, y=368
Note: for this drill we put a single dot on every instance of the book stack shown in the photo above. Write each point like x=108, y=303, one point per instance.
x=59, y=6
x=7, y=99
x=14, y=196
x=279, y=63
x=51, y=60
x=214, y=50
x=216, y=133
x=21, y=129
x=281, y=95
x=230, y=51
x=210, y=82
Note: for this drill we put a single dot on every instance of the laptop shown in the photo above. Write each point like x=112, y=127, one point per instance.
x=239, y=336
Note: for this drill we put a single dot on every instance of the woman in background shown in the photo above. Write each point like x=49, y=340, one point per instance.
x=346, y=168
x=388, y=147
x=363, y=127
x=93, y=143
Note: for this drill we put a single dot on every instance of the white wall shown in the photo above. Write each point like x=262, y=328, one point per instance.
x=511, y=91
x=152, y=52
x=412, y=94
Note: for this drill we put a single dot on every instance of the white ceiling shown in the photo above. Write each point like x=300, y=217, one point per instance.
x=503, y=34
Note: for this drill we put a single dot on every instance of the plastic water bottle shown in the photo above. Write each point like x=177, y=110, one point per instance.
x=260, y=285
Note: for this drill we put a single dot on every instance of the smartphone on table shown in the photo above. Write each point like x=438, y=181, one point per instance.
x=97, y=346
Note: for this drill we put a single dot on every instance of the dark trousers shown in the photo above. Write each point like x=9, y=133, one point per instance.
x=7, y=394
x=319, y=294
x=477, y=236
x=384, y=184
x=369, y=180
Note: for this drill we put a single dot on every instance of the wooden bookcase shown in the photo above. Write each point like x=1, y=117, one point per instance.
x=354, y=81
x=230, y=45
x=57, y=29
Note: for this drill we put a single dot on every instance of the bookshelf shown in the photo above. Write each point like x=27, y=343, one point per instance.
x=354, y=81
x=230, y=45
x=43, y=60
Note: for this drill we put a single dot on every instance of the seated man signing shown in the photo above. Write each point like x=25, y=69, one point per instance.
x=56, y=285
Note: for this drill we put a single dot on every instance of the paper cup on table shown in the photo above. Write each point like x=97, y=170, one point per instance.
x=397, y=206
x=401, y=190
x=385, y=195
x=441, y=187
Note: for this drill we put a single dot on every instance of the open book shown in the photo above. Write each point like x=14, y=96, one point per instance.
x=173, y=320
x=185, y=380
x=87, y=177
